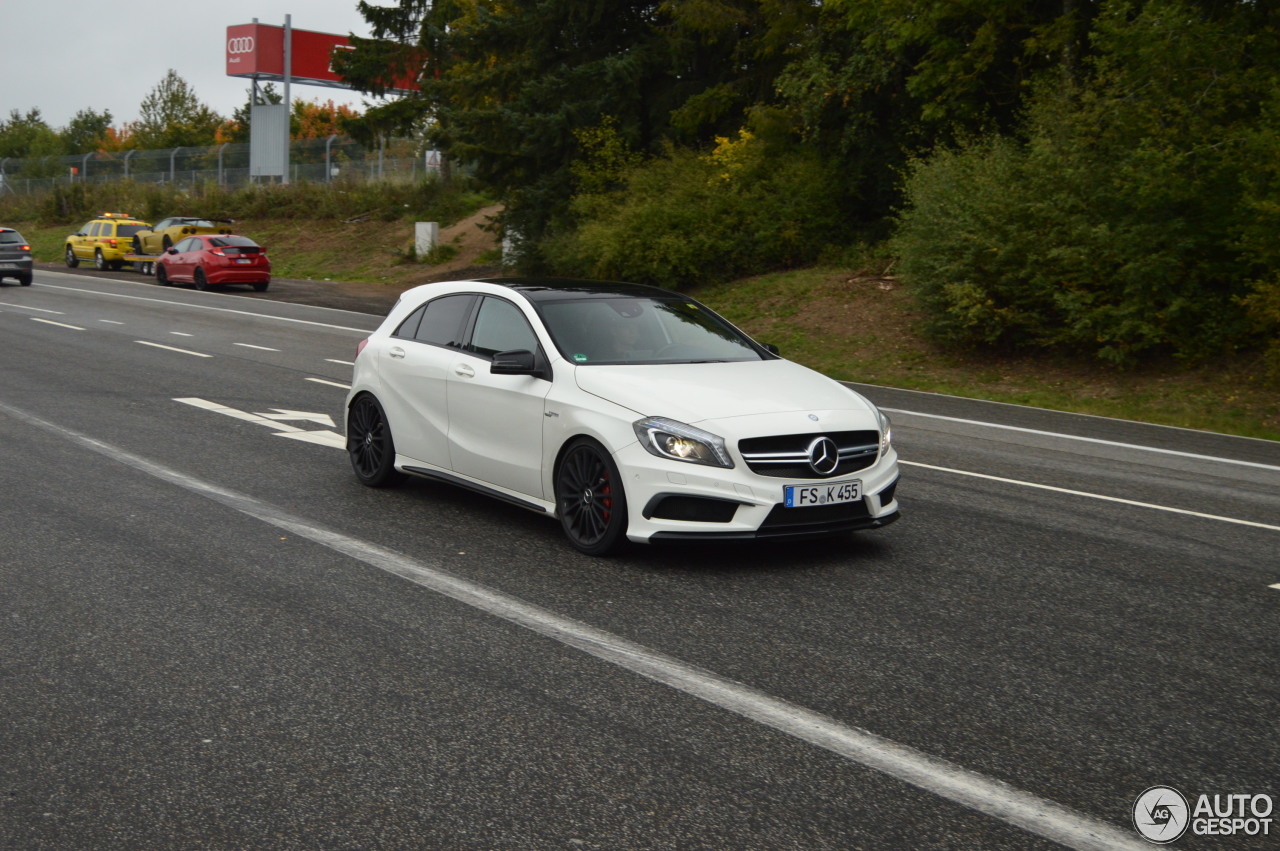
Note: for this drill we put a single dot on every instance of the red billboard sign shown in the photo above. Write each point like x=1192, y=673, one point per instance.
x=257, y=50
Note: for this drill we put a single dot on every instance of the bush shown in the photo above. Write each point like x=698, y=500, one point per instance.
x=685, y=218
x=1116, y=225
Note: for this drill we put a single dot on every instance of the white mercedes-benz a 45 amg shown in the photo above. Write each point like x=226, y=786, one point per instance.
x=627, y=412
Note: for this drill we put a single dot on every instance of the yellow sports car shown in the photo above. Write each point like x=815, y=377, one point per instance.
x=174, y=229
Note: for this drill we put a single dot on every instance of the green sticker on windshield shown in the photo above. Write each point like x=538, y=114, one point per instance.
x=580, y=358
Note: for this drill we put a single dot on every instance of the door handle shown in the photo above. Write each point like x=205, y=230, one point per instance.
x=396, y=352
x=465, y=371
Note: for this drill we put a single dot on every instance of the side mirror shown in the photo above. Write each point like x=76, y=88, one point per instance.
x=771, y=348
x=172, y=251
x=516, y=362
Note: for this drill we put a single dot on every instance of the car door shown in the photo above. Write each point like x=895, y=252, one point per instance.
x=182, y=264
x=412, y=365
x=83, y=245
x=495, y=421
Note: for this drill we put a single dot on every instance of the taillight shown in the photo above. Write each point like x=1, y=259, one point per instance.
x=360, y=345
x=218, y=251
x=112, y=242
x=25, y=248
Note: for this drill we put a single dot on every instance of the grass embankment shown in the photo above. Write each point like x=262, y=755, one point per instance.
x=851, y=326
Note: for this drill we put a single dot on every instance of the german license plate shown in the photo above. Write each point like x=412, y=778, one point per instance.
x=827, y=493
x=243, y=260
x=8, y=266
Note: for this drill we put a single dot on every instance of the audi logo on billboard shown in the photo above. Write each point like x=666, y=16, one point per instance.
x=243, y=44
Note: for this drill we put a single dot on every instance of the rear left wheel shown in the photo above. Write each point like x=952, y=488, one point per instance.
x=589, y=499
x=201, y=282
x=99, y=262
x=369, y=443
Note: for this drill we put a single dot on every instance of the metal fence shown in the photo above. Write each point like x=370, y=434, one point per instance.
x=310, y=160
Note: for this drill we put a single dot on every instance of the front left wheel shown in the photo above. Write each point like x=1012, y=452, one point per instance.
x=369, y=443
x=589, y=499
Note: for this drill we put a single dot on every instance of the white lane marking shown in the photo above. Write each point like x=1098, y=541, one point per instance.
x=172, y=349
x=330, y=383
x=1276, y=586
x=259, y=348
x=364, y=331
x=51, y=322
x=343, y=362
x=1061, y=436
x=237, y=414
x=36, y=309
x=110, y=322
x=181, y=334
x=1036, y=815
x=1102, y=497
x=305, y=416
x=274, y=421
x=854, y=385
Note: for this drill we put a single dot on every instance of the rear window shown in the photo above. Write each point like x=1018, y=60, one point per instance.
x=233, y=240
x=10, y=237
x=129, y=230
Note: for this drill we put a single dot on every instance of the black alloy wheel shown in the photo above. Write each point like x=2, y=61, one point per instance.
x=162, y=277
x=260, y=286
x=201, y=282
x=369, y=443
x=589, y=499
x=72, y=260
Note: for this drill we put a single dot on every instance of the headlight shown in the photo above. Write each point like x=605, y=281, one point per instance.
x=886, y=430
x=679, y=442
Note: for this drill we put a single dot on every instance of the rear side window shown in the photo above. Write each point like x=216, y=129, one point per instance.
x=439, y=322
x=11, y=237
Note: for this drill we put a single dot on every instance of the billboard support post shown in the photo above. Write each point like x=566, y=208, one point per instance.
x=288, y=78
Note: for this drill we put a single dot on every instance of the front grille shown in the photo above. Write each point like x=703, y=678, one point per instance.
x=783, y=520
x=787, y=456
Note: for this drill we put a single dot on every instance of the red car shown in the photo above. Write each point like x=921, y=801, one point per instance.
x=209, y=259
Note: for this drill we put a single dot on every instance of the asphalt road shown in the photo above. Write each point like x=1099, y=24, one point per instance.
x=211, y=636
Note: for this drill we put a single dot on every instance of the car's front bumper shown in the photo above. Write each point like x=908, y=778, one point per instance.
x=669, y=501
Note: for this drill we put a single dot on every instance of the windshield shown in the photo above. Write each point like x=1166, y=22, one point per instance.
x=642, y=330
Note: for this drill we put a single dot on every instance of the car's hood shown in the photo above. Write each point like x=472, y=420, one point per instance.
x=692, y=393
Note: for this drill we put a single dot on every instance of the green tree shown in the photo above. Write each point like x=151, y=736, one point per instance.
x=171, y=115
x=28, y=136
x=87, y=131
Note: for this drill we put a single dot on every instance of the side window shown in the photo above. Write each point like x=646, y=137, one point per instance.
x=88, y=227
x=95, y=228
x=501, y=327
x=443, y=322
x=409, y=327
x=439, y=322
x=187, y=244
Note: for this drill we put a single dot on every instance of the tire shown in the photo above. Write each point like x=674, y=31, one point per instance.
x=162, y=277
x=166, y=243
x=200, y=281
x=370, y=445
x=590, y=501
x=260, y=286
x=99, y=262
x=72, y=260
x=137, y=245
x=25, y=279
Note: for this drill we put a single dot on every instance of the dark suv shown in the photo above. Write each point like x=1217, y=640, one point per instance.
x=15, y=256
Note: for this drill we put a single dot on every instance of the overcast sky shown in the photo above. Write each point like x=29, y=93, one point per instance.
x=67, y=55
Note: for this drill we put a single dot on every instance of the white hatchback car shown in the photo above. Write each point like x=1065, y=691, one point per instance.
x=628, y=412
